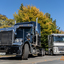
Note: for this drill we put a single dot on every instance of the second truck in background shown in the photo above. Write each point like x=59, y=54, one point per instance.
x=56, y=44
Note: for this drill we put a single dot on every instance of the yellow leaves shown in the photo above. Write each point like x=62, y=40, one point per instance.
x=20, y=11
x=4, y=26
x=34, y=8
x=49, y=23
x=30, y=13
x=5, y=22
x=3, y=17
x=44, y=16
x=62, y=32
x=28, y=6
x=41, y=13
x=25, y=9
x=57, y=31
x=38, y=15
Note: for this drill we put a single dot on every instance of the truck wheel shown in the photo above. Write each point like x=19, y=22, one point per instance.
x=51, y=53
x=42, y=53
x=25, y=52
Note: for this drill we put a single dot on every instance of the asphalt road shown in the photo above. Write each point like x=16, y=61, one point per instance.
x=59, y=59
x=52, y=62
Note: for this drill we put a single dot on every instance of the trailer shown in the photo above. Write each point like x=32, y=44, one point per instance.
x=56, y=44
x=22, y=39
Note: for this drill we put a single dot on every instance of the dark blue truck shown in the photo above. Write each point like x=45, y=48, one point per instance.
x=22, y=39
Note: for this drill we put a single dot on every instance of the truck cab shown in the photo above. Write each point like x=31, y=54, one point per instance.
x=56, y=44
x=21, y=39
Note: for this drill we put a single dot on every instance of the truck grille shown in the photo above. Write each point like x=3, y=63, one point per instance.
x=6, y=37
x=61, y=48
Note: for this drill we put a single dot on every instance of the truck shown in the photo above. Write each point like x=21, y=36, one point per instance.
x=56, y=44
x=21, y=40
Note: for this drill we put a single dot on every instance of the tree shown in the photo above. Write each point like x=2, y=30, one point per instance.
x=47, y=15
x=5, y=22
x=30, y=13
x=21, y=7
x=62, y=32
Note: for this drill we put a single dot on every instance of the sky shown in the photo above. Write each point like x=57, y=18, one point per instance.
x=54, y=7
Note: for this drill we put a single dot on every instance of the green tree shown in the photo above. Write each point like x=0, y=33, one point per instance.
x=21, y=7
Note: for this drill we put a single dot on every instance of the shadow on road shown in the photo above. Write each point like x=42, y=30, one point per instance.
x=15, y=58
x=55, y=55
x=18, y=58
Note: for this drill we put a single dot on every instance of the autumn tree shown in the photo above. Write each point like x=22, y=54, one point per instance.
x=30, y=13
x=5, y=22
x=62, y=32
x=21, y=7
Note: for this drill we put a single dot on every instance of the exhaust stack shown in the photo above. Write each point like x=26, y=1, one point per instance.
x=36, y=31
x=37, y=24
x=15, y=22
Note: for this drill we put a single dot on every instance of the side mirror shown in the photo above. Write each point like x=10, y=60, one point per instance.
x=28, y=35
x=31, y=33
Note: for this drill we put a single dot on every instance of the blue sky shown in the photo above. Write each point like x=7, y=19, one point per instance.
x=53, y=7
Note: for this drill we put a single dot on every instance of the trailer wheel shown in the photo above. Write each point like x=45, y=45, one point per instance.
x=51, y=53
x=42, y=53
x=25, y=52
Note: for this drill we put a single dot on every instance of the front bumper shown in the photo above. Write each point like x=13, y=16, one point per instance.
x=11, y=50
x=59, y=52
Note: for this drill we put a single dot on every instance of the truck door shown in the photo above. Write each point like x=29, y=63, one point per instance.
x=27, y=33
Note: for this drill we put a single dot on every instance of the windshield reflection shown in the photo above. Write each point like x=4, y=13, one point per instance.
x=58, y=38
x=20, y=31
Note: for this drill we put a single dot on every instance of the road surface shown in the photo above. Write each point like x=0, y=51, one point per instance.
x=52, y=62
x=59, y=59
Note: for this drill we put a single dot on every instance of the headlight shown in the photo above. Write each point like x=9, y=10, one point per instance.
x=18, y=40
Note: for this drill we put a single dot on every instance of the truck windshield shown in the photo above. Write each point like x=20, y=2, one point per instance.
x=19, y=32
x=22, y=31
x=58, y=38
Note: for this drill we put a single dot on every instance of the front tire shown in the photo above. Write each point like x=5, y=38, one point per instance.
x=25, y=52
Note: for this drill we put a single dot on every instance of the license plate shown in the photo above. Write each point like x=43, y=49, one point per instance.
x=3, y=53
